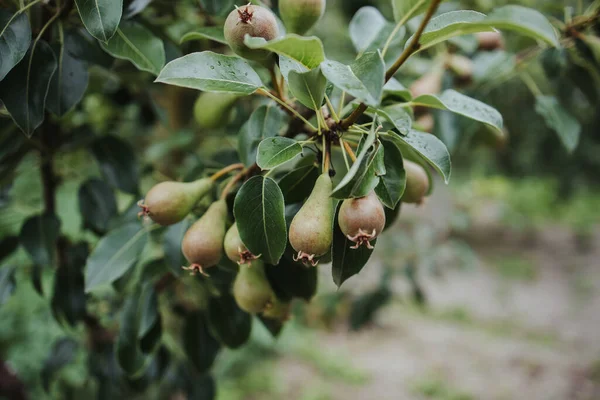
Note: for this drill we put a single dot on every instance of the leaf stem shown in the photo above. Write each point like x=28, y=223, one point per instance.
x=344, y=153
x=226, y=170
x=287, y=107
x=531, y=85
x=349, y=150
x=409, y=50
x=332, y=109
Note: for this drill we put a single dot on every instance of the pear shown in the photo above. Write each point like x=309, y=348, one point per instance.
x=202, y=244
x=167, y=203
x=212, y=110
x=251, y=289
x=417, y=183
x=362, y=219
x=235, y=249
x=311, y=230
x=278, y=310
x=300, y=15
x=250, y=20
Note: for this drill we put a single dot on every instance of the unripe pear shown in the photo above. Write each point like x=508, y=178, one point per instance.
x=251, y=289
x=250, y=20
x=417, y=183
x=490, y=40
x=235, y=249
x=202, y=244
x=311, y=230
x=212, y=110
x=170, y=202
x=278, y=310
x=300, y=15
x=362, y=219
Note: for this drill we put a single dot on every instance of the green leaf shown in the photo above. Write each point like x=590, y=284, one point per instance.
x=394, y=88
x=82, y=46
x=115, y=254
x=150, y=326
x=363, y=79
x=392, y=184
x=117, y=163
x=129, y=355
x=217, y=7
x=69, y=82
x=427, y=147
x=199, y=344
x=406, y=9
x=38, y=236
x=100, y=17
x=172, y=246
x=291, y=279
x=24, y=89
x=347, y=262
x=229, y=323
x=297, y=184
x=466, y=106
x=450, y=24
x=206, y=32
x=272, y=152
x=68, y=296
x=15, y=38
x=364, y=174
x=308, y=87
x=559, y=120
x=308, y=51
x=63, y=352
x=369, y=30
x=8, y=245
x=97, y=205
x=135, y=7
x=286, y=65
x=8, y=283
x=260, y=216
x=135, y=43
x=526, y=21
x=211, y=72
x=397, y=116
x=266, y=121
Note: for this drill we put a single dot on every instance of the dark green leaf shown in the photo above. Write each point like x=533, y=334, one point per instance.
x=211, y=72
x=266, y=121
x=392, y=184
x=114, y=255
x=291, y=279
x=150, y=326
x=259, y=211
x=559, y=120
x=275, y=151
x=63, y=353
x=199, y=344
x=308, y=87
x=68, y=296
x=297, y=184
x=38, y=236
x=97, y=205
x=7, y=246
x=206, y=32
x=7, y=283
x=24, y=89
x=363, y=79
x=307, y=51
x=100, y=17
x=82, y=46
x=129, y=355
x=135, y=43
x=15, y=38
x=347, y=262
x=229, y=323
x=69, y=82
x=172, y=246
x=217, y=7
x=117, y=163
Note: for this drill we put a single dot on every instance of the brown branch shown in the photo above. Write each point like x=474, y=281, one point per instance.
x=412, y=48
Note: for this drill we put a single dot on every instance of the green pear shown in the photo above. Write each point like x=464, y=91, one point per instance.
x=235, y=249
x=417, y=183
x=212, y=110
x=300, y=15
x=251, y=289
x=254, y=21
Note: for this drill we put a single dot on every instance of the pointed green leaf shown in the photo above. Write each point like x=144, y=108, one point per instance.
x=199, y=344
x=286, y=65
x=229, y=323
x=396, y=115
x=115, y=254
x=308, y=87
x=129, y=355
x=172, y=246
x=69, y=82
x=308, y=51
x=404, y=10
x=206, y=32
x=392, y=184
x=260, y=216
x=38, y=236
x=117, y=161
x=266, y=121
x=217, y=7
x=68, y=296
x=15, y=38
x=525, y=21
x=291, y=279
x=369, y=30
x=135, y=43
x=211, y=72
x=272, y=152
x=363, y=79
x=466, y=106
x=450, y=24
x=559, y=120
x=24, y=89
x=394, y=88
x=100, y=17
x=297, y=184
x=97, y=204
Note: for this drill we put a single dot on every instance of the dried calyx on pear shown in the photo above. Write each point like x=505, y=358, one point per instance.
x=311, y=230
x=235, y=249
x=417, y=183
x=202, y=244
x=254, y=21
x=251, y=289
x=300, y=15
x=362, y=219
x=170, y=202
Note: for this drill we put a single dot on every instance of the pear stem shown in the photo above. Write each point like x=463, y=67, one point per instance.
x=225, y=171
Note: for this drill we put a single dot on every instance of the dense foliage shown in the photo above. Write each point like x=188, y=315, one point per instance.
x=286, y=161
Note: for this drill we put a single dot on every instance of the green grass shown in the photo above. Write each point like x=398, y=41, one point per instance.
x=435, y=387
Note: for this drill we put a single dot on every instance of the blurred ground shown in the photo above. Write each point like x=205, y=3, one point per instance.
x=521, y=321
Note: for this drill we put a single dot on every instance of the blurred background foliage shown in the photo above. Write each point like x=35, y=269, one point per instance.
x=507, y=193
